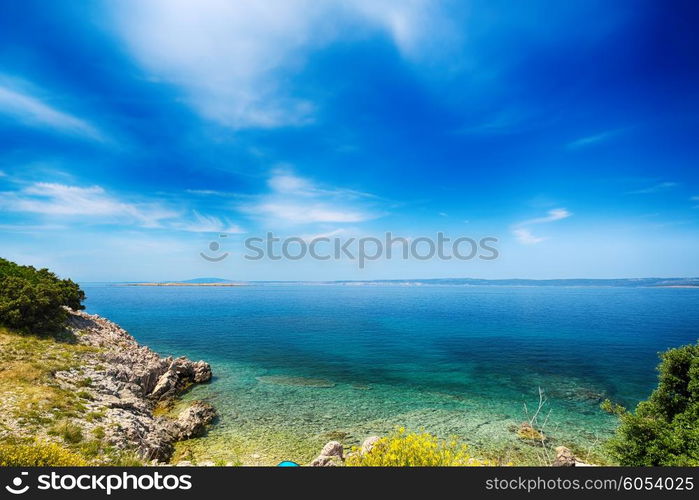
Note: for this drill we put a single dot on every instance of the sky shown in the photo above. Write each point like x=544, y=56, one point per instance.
x=137, y=136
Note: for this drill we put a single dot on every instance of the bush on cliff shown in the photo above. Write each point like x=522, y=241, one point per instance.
x=403, y=449
x=32, y=300
x=664, y=429
x=39, y=454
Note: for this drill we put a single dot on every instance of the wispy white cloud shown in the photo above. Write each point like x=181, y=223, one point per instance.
x=54, y=199
x=504, y=121
x=297, y=200
x=286, y=183
x=208, y=224
x=33, y=111
x=656, y=188
x=235, y=60
x=298, y=213
x=591, y=140
x=94, y=205
x=328, y=234
x=525, y=235
x=551, y=216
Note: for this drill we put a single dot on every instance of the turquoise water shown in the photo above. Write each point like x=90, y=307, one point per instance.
x=297, y=364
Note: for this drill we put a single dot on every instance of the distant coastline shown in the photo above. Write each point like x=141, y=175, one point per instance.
x=175, y=283
x=688, y=282
x=561, y=283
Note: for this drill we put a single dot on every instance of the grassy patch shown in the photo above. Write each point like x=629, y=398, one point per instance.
x=27, y=367
x=70, y=432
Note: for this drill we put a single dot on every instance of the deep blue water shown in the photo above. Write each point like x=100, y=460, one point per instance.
x=455, y=360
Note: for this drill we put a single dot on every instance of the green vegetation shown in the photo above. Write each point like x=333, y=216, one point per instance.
x=403, y=449
x=38, y=454
x=70, y=432
x=32, y=300
x=27, y=365
x=664, y=429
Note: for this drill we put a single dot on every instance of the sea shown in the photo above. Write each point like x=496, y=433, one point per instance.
x=296, y=365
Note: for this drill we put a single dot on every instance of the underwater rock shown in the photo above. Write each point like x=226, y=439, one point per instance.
x=319, y=383
x=527, y=432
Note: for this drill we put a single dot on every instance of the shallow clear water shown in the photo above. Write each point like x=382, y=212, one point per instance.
x=298, y=364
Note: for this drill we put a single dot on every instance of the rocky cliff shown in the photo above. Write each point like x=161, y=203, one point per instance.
x=126, y=382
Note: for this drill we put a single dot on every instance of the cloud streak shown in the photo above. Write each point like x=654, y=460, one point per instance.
x=592, y=140
x=94, y=205
x=657, y=188
x=552, y=215
x=35, y=112
x=525, y=235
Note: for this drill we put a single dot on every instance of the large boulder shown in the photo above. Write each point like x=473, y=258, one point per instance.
x=179, y=374
x=331, y=455
x=192, y=421
x=566, y=458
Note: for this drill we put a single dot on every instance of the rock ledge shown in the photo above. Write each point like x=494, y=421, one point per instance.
x=127, y=381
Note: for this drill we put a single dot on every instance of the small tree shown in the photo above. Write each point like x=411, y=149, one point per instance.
x=664, y=429
x=31, y=300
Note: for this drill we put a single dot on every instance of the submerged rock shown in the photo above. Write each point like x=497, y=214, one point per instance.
x=527, y=432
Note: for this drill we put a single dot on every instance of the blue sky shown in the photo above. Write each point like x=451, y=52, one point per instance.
x=134, y=133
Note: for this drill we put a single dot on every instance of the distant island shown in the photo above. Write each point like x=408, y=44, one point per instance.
x=192, y=282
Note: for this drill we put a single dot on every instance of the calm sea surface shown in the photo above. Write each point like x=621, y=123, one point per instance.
x=296, y=365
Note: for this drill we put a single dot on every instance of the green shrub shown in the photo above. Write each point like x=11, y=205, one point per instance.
x=98, y=432
x=84, y=395
x=32, y=300
x=402, y=449
x=38, y=455
x=70, y=432
x=86, y=382
x=664, y=429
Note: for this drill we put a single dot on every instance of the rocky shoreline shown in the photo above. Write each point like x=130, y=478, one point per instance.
x=127, y=382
